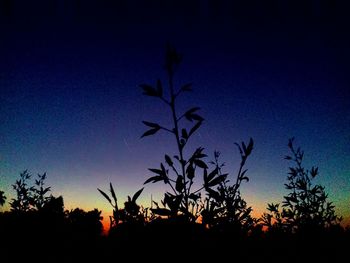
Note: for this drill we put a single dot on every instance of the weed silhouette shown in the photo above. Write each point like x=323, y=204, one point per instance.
x=305, y=208
x=225, y=209
x=130, y=214
x=183, y=201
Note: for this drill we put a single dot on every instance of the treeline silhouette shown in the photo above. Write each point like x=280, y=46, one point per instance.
x=202, y=216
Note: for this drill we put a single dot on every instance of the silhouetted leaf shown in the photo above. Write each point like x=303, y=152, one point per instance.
x=189, y=115
x=213, y=194
x=212, y=174
x=179, y=184
x=136, y=195
x=150, y=132
x=190, y=172
x=194, y=197
x=161, y=211
x=196, y=117
x=105, y=195
x=243, y=173
x=192, y=110
x=154, y=179
x=314, y=172
x=112, y=192
x=194, y=128
x=217, y=180
x=249, y=147
x=290, y=142
x=200, y=163
x=173, y=201
x=239, y=148
x=156, y=171
x=168, y=160
x=149, y=90
x=287, y=157
x=245, y=178
x=151, y=124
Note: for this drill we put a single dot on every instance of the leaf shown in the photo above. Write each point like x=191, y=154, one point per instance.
x=151, y=124
x=200, y=163
x=179, y=184
x=156, y=171
x=239, y=147
x=112, y=192
x=136, y=195
x=214, y=194
x=194, y=128
x=243, y=173
x=168, y=160
x=161, y=211
x=159, y=88
x=194, y=197
x=197, y=117
x=188, y=114
x=212, y=174
x=290, y=142
x=148, y=90
x=249, y=147
x=192, y=110
x=190, y=172
x=187, y=87
x=150, y=132
x=173, y=201
x=217, y=180
x=245, y=178
x=154, y=179
x=105, y=195
x=314, y=172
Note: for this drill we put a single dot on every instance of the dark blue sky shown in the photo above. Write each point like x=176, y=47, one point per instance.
x=71, y=106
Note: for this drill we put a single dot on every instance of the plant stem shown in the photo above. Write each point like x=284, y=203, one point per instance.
x=176, y=132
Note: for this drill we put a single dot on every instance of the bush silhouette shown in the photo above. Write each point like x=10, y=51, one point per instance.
x=305, y=208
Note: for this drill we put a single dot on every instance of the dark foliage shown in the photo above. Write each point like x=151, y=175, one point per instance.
x=178, y=171
x=306, y=207
x=2, y=198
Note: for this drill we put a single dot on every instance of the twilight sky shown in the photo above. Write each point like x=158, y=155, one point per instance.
x=70, y=104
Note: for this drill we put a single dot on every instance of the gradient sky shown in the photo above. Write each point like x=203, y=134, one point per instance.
x=70, y=104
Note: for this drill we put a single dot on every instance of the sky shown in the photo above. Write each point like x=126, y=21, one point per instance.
x=71, y=105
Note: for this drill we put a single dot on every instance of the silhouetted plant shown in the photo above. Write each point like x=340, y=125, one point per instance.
x=183, y=200
x=131, y=213
x=29, y=197
x=224, y=206
x=39, y=192
x=2, y=198
x=24, y=194
x=305, y=207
